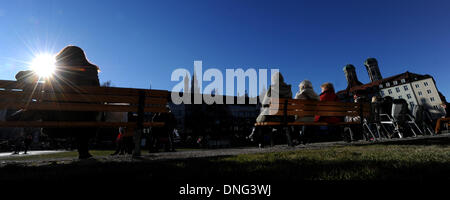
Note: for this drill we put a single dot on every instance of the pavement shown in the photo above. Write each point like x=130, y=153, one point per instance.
x=29, y=153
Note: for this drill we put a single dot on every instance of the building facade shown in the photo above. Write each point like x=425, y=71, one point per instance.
x=416, y=89
x=417, y=92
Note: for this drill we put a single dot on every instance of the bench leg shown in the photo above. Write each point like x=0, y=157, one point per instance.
x=137, y=143
x=438, y=126
x=365, y=125
x=288, y=136
x=347, y=134
x=380, y=132
x=272, y=143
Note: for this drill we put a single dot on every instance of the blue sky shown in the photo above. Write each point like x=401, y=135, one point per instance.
x=138, y=43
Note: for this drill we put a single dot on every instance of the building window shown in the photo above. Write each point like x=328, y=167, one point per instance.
x=382, y=93
x=420, y=93
x=400, y=97
x=397, y=89
x=411, y=104
x=405, y=87
x=429, y=91
x=424, y=100
x=388, y=85
x=395, y=82
x=390, y=91
x=417, y=85
x=425, y=83
x=408, y=96
x=403, y=80
x=431, y=99
x=381, y=86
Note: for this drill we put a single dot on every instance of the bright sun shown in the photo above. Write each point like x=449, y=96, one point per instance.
x=43, y=65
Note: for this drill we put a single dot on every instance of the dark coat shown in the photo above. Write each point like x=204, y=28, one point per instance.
x=170, y=123
x=72, y=70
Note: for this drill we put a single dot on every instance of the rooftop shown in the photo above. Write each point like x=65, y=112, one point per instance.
x=408, y=76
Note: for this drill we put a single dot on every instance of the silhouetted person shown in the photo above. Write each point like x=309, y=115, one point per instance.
x=163, y=135
x=27, y=142
x=18, y=141
x=279, y=89
x=328, y=94
x=446, y=108
x=120, y=145
x=400, y=113
x=386, y=105
x=73, y=70
x=306, y=92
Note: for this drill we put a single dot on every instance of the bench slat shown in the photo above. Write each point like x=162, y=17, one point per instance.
x=305, y=123
x=25, y=96
x=52, y=106
x=76, y=124
x=315, y=113
x=108, y=91
x=5, y=84
x=320, y=108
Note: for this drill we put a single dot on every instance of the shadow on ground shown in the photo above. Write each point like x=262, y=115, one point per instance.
x=415, y=159
x=424, y=141
x=219, y=169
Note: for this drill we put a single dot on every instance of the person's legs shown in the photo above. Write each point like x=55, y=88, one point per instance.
x=288, y=135
x=438, y=126
x=83, y=146
x=260, y=136
x=82, y=136
x=117, y=148
x=18, y=143
x=307, y=134
x=27, y=145
x=171, y=145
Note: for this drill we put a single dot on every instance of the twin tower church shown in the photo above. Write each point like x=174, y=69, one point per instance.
x=416, y=89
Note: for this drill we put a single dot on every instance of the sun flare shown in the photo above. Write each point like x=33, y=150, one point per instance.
x=43, y=65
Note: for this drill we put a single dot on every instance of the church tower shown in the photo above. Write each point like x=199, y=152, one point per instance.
x=373, y=70
x=350, y=74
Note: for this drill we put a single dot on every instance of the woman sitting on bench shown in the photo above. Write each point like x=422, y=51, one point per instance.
x=328, y=94
x=306, y=92
x=280, y=89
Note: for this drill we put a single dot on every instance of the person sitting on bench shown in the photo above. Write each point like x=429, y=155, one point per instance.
x=306, y=92
x=280, y=89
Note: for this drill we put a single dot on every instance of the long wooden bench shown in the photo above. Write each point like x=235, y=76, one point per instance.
x=45, y=97
x=439, y=123
x=289, y=108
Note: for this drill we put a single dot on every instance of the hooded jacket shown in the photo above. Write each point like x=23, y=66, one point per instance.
x=73, y=68
x=278, y=89
x=306, y=92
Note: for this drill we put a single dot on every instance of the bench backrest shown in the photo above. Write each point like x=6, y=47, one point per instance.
x=307, y=108
x=45, y=97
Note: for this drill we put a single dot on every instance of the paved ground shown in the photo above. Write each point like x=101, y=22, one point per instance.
x=200, y=153
x=29, y=153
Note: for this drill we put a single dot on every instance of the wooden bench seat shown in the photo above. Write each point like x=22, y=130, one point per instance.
x=287, y=109
x=439, y=123
x=40, y=98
